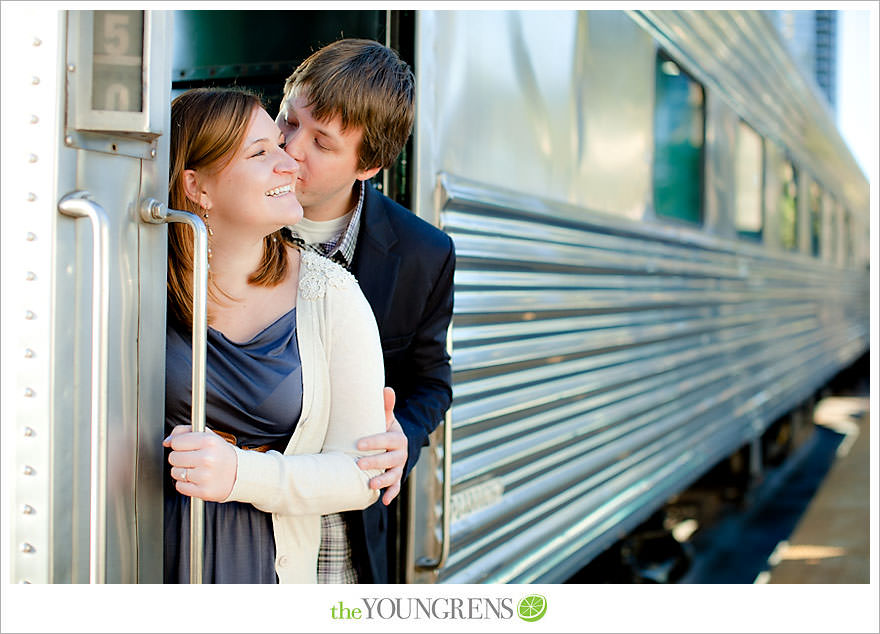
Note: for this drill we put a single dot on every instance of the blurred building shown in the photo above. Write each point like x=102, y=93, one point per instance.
x=811, y=36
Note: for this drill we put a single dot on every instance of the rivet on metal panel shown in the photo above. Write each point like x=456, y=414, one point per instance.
x=27, y=548
x=29, y=431
x=29, y=393
x=35, y=81
x=68, y=140
x=29, y=314
x=33, y=158
x=71, y=68
x=37, y=41
x=27, y=509
x=31, y=197
x=153, y=153
x=28, y=470
x=30, y=276
x=31, y=236
x=35, y=118
x=28, y=353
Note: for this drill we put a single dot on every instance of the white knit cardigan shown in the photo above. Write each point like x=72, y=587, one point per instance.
x=343, y=377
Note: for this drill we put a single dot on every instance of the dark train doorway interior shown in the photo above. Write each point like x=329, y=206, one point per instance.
x=259, y=49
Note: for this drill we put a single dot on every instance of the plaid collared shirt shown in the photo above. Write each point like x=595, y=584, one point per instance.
x=341, y=248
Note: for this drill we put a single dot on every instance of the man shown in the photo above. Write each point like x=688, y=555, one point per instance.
x=347, y=113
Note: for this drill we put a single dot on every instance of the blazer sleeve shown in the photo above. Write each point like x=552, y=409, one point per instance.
x=422, y=409
x=330, y=481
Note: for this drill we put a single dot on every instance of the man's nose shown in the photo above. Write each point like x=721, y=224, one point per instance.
x=292, y=145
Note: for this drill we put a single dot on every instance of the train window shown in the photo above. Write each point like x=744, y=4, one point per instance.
x=816, y=220
x=849, y=256
x=835, y=223
x=749, y=171
x=679, y=132
x=787, y=206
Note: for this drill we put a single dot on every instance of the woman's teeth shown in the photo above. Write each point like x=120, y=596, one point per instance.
x=279, y=191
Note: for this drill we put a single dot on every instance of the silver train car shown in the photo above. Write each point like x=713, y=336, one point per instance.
x=662, y=248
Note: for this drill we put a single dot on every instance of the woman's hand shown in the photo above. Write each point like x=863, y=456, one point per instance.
x=203, y=464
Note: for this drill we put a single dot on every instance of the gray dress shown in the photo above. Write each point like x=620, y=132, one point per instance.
x=253, y=391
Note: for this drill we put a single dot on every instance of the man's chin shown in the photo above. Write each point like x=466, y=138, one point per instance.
x=304, y=199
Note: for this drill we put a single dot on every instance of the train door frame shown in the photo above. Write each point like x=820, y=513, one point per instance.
x=87, y=435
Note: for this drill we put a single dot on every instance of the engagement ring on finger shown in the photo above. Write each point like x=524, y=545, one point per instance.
x=184, y=476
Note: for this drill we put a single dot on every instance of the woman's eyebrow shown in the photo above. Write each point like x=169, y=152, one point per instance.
x=255, y=141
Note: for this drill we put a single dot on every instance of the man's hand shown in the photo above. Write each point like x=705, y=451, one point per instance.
x=394, y=442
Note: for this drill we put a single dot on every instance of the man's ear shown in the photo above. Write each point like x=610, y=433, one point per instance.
x=193, y=190
x=365, y=175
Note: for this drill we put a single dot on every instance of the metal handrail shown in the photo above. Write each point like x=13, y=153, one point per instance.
x=77, y=205
x=155, y=212
x=428, y=563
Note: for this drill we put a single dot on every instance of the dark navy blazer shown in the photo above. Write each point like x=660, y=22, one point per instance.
x=405, y=267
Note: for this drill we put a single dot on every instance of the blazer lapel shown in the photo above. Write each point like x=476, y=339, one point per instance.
x=375, y=266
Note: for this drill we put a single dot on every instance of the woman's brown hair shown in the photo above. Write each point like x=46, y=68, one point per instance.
x=207, y=128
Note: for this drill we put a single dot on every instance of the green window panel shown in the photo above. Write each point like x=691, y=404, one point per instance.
x=788, y=205
x=679, y=134
x=816, y=219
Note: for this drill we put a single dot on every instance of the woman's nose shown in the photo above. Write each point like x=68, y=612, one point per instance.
x=287, y=164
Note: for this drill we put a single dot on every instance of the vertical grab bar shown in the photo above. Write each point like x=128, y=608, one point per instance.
x=77, y=205
x=155, y=212
x=427, y=563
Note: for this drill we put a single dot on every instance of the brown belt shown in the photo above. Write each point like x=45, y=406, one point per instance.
x=231, y=439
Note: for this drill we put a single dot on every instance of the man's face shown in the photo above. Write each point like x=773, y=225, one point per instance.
x=327, y=159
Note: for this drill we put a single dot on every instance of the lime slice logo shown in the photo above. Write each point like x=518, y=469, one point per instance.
x=532, y=608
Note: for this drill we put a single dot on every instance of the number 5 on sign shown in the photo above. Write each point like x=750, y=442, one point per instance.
x=116, y=33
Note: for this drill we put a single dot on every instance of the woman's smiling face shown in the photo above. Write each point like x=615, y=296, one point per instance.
x=254, y=194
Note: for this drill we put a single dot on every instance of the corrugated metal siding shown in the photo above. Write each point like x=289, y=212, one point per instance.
x=600, y=366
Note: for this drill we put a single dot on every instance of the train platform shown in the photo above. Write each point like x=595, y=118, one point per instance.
x=805, y=520
x=830, y=544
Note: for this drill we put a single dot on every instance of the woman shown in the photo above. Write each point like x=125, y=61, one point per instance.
x=294, y=372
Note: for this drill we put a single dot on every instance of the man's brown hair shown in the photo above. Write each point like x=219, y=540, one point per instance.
x=368, y=86
x=207, y=128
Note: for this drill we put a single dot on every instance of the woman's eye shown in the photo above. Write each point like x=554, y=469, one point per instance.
x=260, y=153
x=318, y=143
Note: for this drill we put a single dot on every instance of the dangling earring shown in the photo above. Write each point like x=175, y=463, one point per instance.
x=207, y=226
x=210, y=232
